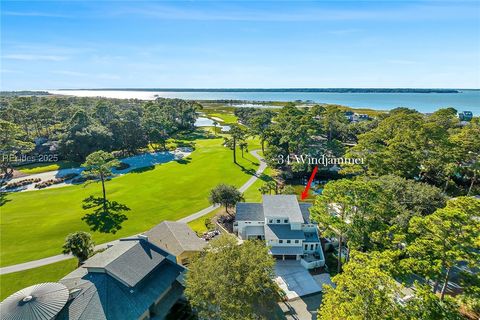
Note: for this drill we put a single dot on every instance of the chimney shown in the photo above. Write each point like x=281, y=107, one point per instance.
x=143, y=237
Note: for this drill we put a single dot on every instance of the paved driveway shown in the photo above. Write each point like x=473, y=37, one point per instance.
x=294, y=279
x=304, y=308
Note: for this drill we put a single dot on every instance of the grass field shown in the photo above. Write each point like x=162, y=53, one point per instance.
x=222, y=112
x=12, y=282
x=198, y=225
x=34, y=224
x=46, y=166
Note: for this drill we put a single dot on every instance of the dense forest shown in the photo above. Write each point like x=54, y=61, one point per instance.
x=76, y=127
x=437, y=149
x=408, y=214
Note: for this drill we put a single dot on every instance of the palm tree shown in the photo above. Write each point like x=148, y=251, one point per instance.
x=80, y=245
x=237, y=134
x=215, y=124
x=243, y=145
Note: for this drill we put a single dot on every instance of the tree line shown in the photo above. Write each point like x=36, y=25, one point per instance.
x=81, y=126
x=436, y=149
x=407, y=213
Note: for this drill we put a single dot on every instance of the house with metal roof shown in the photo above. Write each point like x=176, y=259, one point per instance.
x=465, y=116
x=284, y=224
x=133, y=279
x=176, y=238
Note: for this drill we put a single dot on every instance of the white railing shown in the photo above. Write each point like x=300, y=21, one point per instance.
x=312, y=264
x=316, y=260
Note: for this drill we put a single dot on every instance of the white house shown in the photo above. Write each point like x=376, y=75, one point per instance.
x=285, y=225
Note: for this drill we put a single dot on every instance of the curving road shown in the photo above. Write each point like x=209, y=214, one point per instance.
x=198, y=214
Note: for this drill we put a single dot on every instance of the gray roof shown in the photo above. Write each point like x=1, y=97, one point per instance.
x=246, y=211
x=38, y=302
x=304, y=206
x=129, y=261
x=175, y=237
x=286, y=250
x=282, y=206
x=100, y=296
x=311, y=237
x=282, y=231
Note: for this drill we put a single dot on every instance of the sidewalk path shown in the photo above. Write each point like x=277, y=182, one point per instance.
x=196, y=215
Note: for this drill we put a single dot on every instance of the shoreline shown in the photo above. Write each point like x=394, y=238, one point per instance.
x=424, y=102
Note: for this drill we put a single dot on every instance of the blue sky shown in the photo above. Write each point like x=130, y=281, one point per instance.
x=180, y=44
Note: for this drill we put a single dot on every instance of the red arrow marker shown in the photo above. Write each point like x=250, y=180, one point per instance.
x=305, y=192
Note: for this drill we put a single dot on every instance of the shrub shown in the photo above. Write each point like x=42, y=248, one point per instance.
x=69, y=176
x=21, y=183
x=122, y=166
x=51, y=182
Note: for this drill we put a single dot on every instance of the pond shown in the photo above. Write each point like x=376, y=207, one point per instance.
x=207, y=122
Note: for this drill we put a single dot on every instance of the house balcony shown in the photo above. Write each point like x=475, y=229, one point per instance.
x=313, y=260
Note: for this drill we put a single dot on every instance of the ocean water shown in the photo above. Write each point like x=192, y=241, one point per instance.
x=423, y=102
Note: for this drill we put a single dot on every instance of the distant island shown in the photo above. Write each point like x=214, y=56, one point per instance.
x=334, y=90
x=23, y=93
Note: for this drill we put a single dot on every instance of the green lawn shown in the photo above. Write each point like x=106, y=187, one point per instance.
x=46, y=166
x=252, y=194
x=12, y=282
x=34, y=224
x=198, y=225
x=224, y=113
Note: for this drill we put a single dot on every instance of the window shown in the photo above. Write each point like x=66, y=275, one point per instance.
x=280, y=241
x=296, y=241
x=270, y=221
x=288, y=241
x=285, y=221
x=306, y=247
x=316, y=246
x=311, y=247
x=278, y=220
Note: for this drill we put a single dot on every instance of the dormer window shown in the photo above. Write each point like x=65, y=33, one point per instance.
x=285, y=221
x=280, y=241
x=278, y=220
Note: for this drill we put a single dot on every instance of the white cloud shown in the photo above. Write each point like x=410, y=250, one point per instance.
x=104, y=76
x=401, y=61
x=70, y=73
x=343, y=31
x=34, y=57
x=34, y=14
x=400, y=11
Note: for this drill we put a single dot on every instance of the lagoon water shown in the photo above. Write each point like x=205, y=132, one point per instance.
x=423, y=102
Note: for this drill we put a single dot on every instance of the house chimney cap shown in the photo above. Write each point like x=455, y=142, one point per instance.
x=143, y=237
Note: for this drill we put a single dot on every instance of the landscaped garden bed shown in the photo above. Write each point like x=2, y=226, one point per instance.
x=51, y=182
x=21, y=183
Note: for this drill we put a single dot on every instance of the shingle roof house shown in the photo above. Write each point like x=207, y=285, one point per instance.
x=177, y=238
x=134, y=279
x=285, y=225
